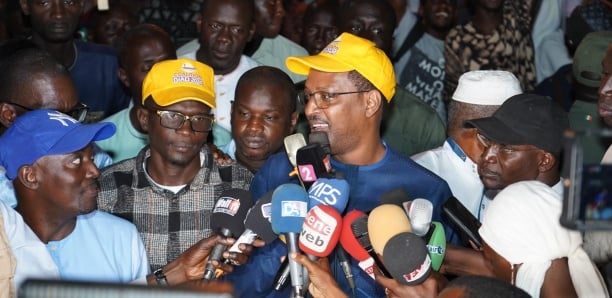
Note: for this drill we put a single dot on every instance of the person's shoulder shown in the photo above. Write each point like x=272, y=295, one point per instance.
x=94, y=49
x=248, y=62
x=118, y=117
x=289, y=45
x=407, y=101
x=106, y=220
x=127, y=165
x=407, y=166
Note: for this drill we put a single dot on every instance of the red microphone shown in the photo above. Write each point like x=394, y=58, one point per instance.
x=352, y=246
x=320, y=231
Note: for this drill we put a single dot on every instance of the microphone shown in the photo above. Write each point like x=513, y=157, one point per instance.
x=289, y=209
x=359, y=227
x=257, y=223
x=321, y=231
x=227, y=220
x=352, y=246
x=384, y=222
x=313, y=160
x=436, y=244
x=397, y=196
x=420, y=213
x=407, y=268
x=292, y=144
x=331, y=192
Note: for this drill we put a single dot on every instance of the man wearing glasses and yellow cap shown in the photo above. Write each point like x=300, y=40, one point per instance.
x=169, y=189
x=349, y=84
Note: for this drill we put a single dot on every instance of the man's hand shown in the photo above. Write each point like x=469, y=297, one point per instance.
x=429, y=288
x=219, y=156
x=191, y=263
x=464, y=261
x=322, y=283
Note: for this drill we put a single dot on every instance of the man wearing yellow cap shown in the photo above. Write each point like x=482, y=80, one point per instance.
x=349, y=83
x=168, y=190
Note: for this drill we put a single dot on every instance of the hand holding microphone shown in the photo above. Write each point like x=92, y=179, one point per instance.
x=227, y=220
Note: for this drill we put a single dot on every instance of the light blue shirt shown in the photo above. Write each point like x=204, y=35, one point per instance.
x=102, y=248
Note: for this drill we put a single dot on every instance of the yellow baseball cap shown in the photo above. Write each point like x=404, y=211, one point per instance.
x=172, y=81
x=346, y=53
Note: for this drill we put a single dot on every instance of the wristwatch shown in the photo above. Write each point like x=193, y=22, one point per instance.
x=160, y=277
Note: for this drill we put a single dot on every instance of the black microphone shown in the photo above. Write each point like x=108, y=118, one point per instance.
x=257, y=223
x=313, y=160
x=407, y=268
x=360, y=229
x=227, y=220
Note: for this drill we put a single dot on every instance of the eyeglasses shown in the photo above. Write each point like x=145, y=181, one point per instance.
x=78, y=112
x=175, y=120
x=323, y=99
x=505, y=150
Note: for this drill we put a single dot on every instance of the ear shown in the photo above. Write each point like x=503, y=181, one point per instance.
x=251, y=31
x=199, y=23
x=143, y=118
x=293, y=121
x=123, y=77
x=373, y=103
x=547, y=162
x=7, y=114
x=24, y=7
x=27, y=176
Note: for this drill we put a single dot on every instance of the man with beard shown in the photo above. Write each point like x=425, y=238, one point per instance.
x=263, y=114
x=93, y=67
x=225, y=28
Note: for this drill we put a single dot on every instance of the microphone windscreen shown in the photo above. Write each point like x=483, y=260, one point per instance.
x=321, y=138
x=420, y=213
x=348, y=240
x=332, y=192
x=230, y=210
x=384, y=222
x=397, y=196
x=292, y=144
x=406, y=258
x=289, y=208
x=320, y=231
x=258, y=218
x=312, y=163
x=436, y=245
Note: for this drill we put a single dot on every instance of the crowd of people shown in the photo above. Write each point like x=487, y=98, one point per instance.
x=121, y=127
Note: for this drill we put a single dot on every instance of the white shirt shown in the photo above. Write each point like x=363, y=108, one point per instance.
x=458, y=170
x=607, y=158
x=33, y=259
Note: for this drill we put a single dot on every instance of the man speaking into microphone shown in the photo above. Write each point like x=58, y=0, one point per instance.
x=349, y=85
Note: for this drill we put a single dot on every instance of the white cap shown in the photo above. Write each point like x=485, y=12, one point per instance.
x=486, y=87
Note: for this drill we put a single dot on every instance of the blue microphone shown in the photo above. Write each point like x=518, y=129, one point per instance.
x=289, y=209
x=329, y=191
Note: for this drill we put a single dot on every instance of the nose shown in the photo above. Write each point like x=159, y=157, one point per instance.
x=58, y=10
x=92, y=170
x=489, y=155
x=255, y=124
x=185, y=128
x=224, y=35
x=280, y=10
x=310, y=107
x=606, y=86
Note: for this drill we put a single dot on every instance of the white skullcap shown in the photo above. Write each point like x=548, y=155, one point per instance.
x=486, y=87
x=522, y=225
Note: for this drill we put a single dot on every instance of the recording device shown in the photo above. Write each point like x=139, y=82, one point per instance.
x=331, y=192
x=227, y=220
x=587, y=201
x=407, y=268
x=436, y=244
x=420, y=213
x=257, y=223
x=359, y=227
x=384, y=222
x=352, y=246
x=463, y=220
x=289, y=209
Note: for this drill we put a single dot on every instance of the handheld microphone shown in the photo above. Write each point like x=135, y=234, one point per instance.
x=359, y=228
x=436, y=244
x=330, y=192
x=292, y=144
x=397, y=196
x=352, y=246
x=257, y=223
x=227, y=219
x=289, y=209
x=321, y=231
x=312, y=164
x=407, y=268
x=384, y=222
x=420, y=214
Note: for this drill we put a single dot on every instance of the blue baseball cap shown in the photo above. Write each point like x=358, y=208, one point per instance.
x=46, y=132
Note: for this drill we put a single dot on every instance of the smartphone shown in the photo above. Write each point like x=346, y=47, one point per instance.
x=466, y=223
x=587, y=196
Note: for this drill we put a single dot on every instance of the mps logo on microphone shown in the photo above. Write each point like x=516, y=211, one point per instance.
x=227, y=205
x=324, y=193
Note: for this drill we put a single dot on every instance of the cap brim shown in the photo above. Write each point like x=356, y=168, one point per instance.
x=495, y=130
x=81, y=136
x=181, y=94
x=302, y=65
